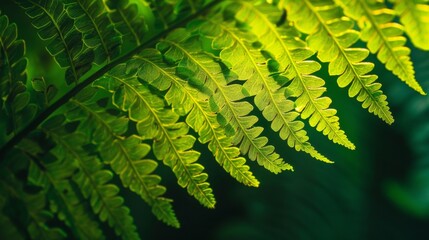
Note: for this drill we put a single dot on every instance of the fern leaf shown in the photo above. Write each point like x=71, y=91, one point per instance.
x=124, y=155
x=93, y=183
x=127, y=21
x=12, y=64
x=36, y=224
x=99, y=33
x=201, y=70
x=14, y=97
x=269, y=95
x=384, y=37
x=331, y=35
x=65, y=202
x=291, y=54
x=414, y=15
x=200, y=118
x=7, y=229
x=154, y=121
x=64, y=41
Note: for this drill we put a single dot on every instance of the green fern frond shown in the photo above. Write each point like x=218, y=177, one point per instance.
x=12, y=64
x=201, y=70
x=66, y=203
x=384, y=37
x=269, y=95
x=35, y=205
x=99, y=33
x=64, y=41
x=93, y=180
x=154, y=121
x=7, y=228
x=199, y=117
x=414, y=15
x=331, y=35
x=125, y=156
x=14, y=97
x=291, y=54
x=127, y=21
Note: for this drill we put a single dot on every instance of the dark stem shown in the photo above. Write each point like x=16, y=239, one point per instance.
x=64, y=99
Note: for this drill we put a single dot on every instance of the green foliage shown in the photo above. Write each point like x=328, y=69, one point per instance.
x=152, y=77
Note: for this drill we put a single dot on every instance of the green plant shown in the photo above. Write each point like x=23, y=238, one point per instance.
x=143, y=79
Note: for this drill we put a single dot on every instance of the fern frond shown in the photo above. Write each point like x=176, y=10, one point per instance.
x=125, y=156
x=181, y=96
x=292, y=54
x=154, y=121
x=12, y=64
x=93, y=180
x=331, y=35
x=8, y=230
x=201, y=70
x=384, y=37
x=167, y=12
x=36, y=224
x=66, y=203
x=14, y=97
x=127, y=20
x=414, y=15
x=269, y=95
x=64, y=41
x=99, y=33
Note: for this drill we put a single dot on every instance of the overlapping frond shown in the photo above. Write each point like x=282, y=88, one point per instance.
x=384, y=37
x=331, y=34
x=64, y=42
x=34, y=203
x=250, y=65
x=154, y=121
x=92, y=19
x=124, y=155
x=53, y=178
x=168, y=11
x=14, y=97
x=414, y=15
x=291, y=54
x=199, y=116
x=127, y=159
x=199, y=69
x=127, y=20
x=93, y=180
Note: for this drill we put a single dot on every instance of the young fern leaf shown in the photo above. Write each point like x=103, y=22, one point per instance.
x=250, y=65
x=64, y=41
x=201, y=70
x=34, y=204
x=99, y=33
x=14, y=97
x=7, y=228
x=186, y=100
x=171, y=144
x=66, y=203
x=127, y=21
x=127, y=159
x=384, y=37
x=125, y=156
x=291, y=55
x=414, y=15
x=331, y=35
x=12, y=62
x=93, y=180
